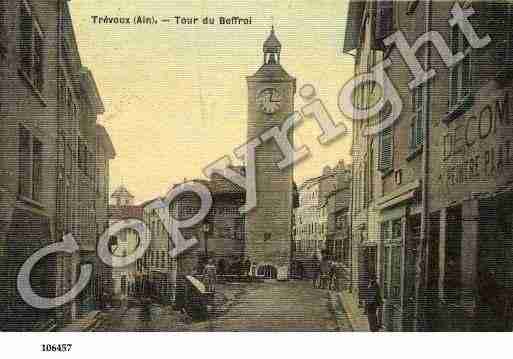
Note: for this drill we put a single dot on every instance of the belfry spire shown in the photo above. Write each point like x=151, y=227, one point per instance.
x=272, y=48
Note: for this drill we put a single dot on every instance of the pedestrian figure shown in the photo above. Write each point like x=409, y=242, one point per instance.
x=372, y=303
x=221, y=266
x=209, y=276
x=325, y=273
x=252, y=270
x=316, y=271
x=246, y=265
x=333, y=276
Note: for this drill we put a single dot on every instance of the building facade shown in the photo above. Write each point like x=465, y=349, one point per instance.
x=221, y=236
x=49, y=109
x=29, y=121
x=104, y=153
x=310, y=222
x=124, y=243
x=157, y=270
x=441, y=177
x=322, y=220
x=338, y=233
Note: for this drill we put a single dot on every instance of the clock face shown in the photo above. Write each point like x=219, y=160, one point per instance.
x=269, y=101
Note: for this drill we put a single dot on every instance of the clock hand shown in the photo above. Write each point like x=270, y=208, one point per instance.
x=274, y=97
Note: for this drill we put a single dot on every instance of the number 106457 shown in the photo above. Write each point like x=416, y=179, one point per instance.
x=55, y=347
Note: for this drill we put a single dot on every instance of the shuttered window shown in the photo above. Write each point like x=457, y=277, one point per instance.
x=460, y=77
x=24, y=162
x=417, y=120
x=386, y=149
x=3, y=28
x=386, y=139
x=384, y=20
x=31, y=47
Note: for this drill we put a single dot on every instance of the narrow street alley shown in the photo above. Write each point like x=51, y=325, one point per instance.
x=268, y=306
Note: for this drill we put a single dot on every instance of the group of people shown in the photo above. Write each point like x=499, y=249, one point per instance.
x=325, y=272
x=210, y=275
x=210, y=270
x=234, y=266
x=325, y=277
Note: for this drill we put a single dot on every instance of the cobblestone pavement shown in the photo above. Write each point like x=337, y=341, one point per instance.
x=268, y=306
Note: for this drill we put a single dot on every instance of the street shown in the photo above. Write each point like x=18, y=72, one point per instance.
x=268, y=306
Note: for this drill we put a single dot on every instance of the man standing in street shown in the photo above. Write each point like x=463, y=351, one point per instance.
x=372, y=304
x=209, y=276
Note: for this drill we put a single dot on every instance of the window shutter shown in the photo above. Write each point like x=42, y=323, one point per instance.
x=413, y=124
x=3, y=27
x=466, y=81
x=384, y=20
x=353, y=25
x=419, y=139
x=386, y=149
x=453, y=72
x=26, y=29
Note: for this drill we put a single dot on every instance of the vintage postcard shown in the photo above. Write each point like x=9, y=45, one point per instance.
x=255, y=166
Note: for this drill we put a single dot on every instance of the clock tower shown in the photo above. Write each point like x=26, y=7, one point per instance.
x=269, y=226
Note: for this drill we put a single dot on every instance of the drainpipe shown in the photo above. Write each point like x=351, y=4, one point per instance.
x=419, y=324
x=59, y=312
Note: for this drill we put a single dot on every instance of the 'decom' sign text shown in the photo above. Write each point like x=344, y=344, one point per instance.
x=479, y=147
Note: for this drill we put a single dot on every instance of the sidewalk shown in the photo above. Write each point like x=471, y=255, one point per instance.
x=356, y=316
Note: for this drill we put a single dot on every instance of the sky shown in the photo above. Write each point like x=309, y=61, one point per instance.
x=176, y=95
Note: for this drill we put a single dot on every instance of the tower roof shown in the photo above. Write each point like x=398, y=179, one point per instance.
x=272, y=44
x=271, y=72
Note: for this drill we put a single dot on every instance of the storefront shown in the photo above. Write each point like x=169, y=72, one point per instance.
x=475, y=201
x=29, y=231
x=398, y=247
x=478, y=273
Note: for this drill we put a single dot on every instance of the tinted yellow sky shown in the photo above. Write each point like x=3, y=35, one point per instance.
x=175, y=95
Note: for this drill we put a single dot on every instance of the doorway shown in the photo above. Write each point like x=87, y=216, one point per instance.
x=267, y=271
x=412, y=240
x=433, y=272
x=495, y=266
x=367, y=269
